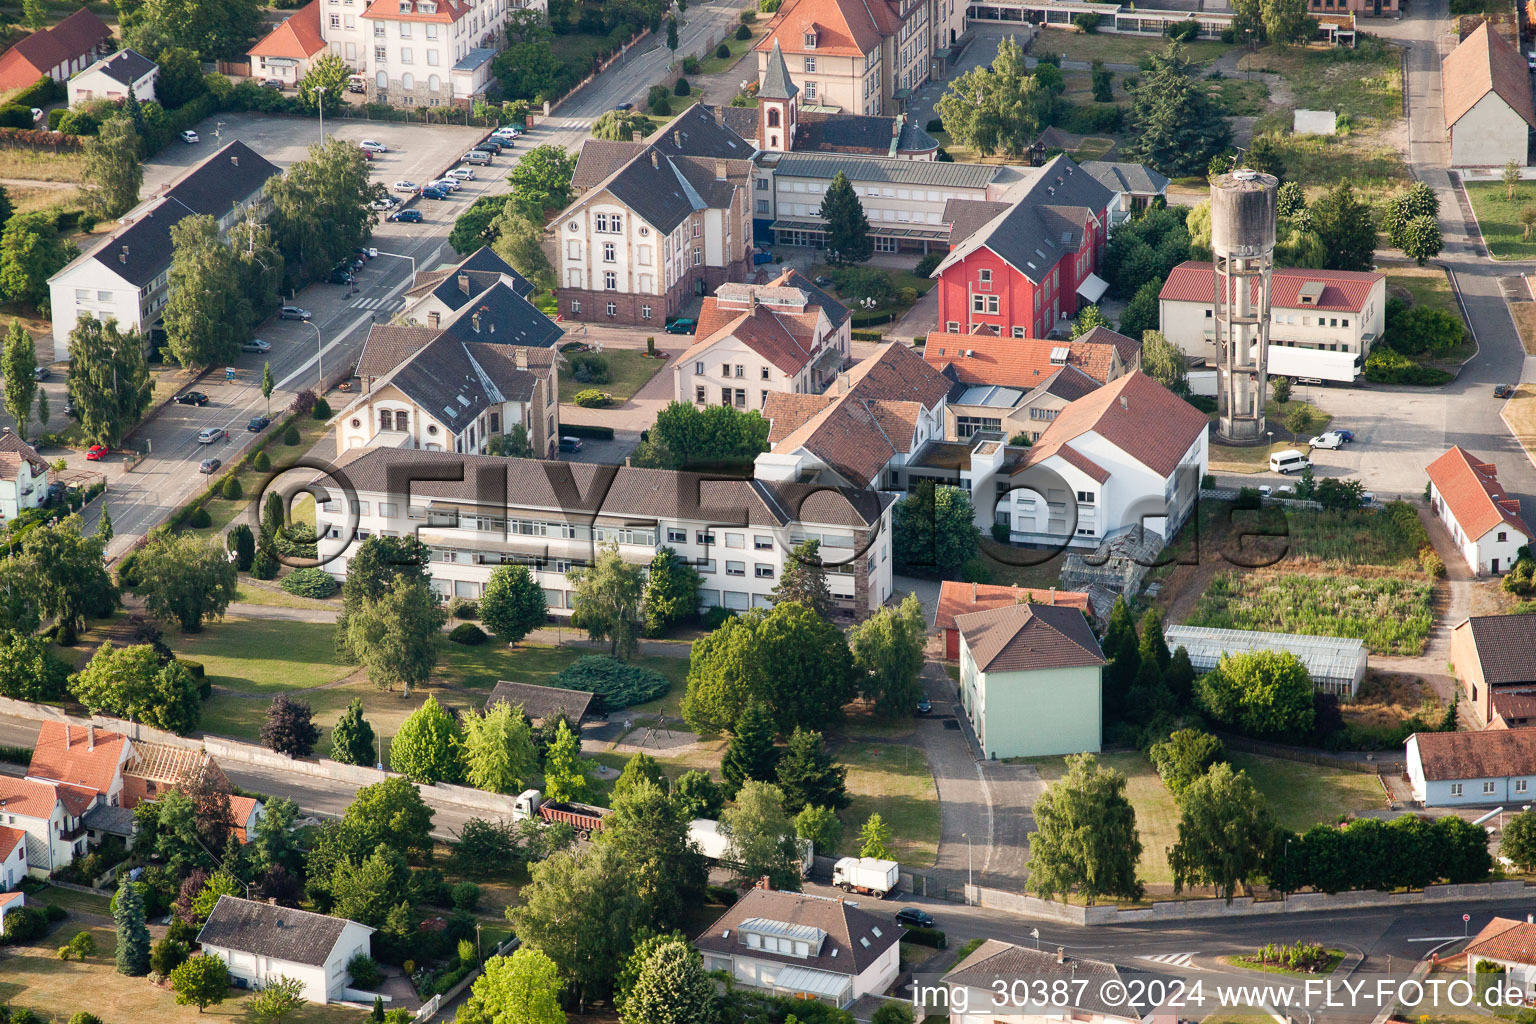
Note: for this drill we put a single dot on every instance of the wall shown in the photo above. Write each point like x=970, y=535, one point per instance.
x=1488, y=135
x=1041, y=712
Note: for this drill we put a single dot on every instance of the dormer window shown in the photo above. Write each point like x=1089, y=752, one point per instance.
x=810, y=39
x=427, y=7
x=405, y=6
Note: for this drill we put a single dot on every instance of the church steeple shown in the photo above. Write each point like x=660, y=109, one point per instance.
x=777, y=104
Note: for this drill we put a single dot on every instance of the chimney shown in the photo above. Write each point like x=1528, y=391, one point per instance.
x=634, y=137
x=1061, y=955
x=464, y=282
x=90, y=736
x=844, y=384
x=1053, y=595
x=1125, y=403
x=521, y=355
x=234, y=161
x=762, y=883
x=973, y=592
x=719, y=170
x=474, y=321
x=66, y=735
x=720, y=113
x=677, y=139
x=655, y=161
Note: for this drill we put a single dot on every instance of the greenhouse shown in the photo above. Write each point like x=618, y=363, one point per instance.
x=1335, y=663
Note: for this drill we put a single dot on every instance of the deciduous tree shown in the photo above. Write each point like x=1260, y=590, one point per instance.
x=20, y=368
x=130, y=682
x=672, y=987
x=888, y=656
x=820, y=827
x=934, y=527
x=1343, y=221
x=207, y=311
x=671, y=591
x=290, y=727
x=519, y=240
x=373, y=566
x=512, y=605
x=28, y=671
x=428, y=746
x=112, y=167
x=398, y=634
x=498, y=749
x=1088, y=319
x=638, y=769
x=606, y=599
x=650, y=834
x=1421, y=239
x=1164, y=362
x=185, y=578
x=697, y=795
x=278, y=999
x=1086, y=838
x=567, y=775
x=330, y=73
x=1285, y=21
x=1185, y=756
x=1519, y=840
x=687, y=437
x=541, y=181
x=32, y=251
x=390, y=812
x=1261, y=693
x=523, y=988
x=998, y=108
x=1225, y=832
x=875, y=838
x=320, y=209
x=202, y=981
x=761, y=839
x=108, y=380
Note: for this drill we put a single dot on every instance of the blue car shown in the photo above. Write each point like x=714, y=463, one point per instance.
x=433, y=193
x=1347, y=435
x=406, y=216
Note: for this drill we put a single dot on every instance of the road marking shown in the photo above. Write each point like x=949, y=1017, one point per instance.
x=1172, y=959
x=1438, y=938
x=377, y=303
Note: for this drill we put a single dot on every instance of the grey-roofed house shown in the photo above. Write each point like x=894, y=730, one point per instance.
x=541, y=704
x=114, y=77
x=445, y=291
x=125, y=276
x=1136, y=186
x=1077, y=988
x=261, y=942
x=1031, y=680
x=804, y=947
x=657, y=223
x=1494, y=657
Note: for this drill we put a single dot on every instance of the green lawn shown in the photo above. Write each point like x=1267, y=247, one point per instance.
x=1117, y=48
x=709, y=64
x=76, y=902
x=894, y=781
x=1499, y=218
x=1422, y=286
x=1363, y=84
x=252, y=592
x=1157, y=816
x=222, y=512
x=629, y=369
x=1390, y=613
x=1237, y=97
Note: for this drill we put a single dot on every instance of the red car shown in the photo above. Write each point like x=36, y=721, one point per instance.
x=95, y=452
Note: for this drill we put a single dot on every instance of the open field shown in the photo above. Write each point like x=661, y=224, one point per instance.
x=1422, y=286
x=629, y=370
x=893, y=780
x=1237, y=97
x=1520, y=414
x=1113, y=48
x=25, y=163
x=1390, y=613
x=265, y=592
x=1364, y=84
x=1362, y=537
x=1499, y=218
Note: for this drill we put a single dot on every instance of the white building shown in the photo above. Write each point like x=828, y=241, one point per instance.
x=1454, y=769
x=286, y=52
x=804, y=947
x=1486, y=93
x=13, y=860
x=1336, y=664
x=1483, y=519
x=49, y=813
x=1323, y=323
x=552, y=515
x=125, y=276
x=23, y=476
x=1510, y=944
x=783, y=337
x=114, y=77
x=261, y=942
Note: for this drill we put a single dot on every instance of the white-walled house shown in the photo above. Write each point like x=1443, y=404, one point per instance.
x=1487, y=101
x=13, y=857
x=552, y=515
x=804, y=947
x=23, y=476
x=1456, y=769
x=1512, y=945
x=1031, y=680
x=260, y=942
x=1482, y=518
x=50, y=814
x=114, y=77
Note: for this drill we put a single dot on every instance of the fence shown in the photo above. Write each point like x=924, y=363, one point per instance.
x=430, y=1008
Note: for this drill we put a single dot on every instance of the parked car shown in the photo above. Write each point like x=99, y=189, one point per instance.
x=293, y=313
x=42, y=373
x=357, y=83
x=914, y=917
x=681, y=325
x=366, y=254
x=570, y=444
x=478, y=156
x=209, y=466
x=1288, y=461
x=258, y=424
x=387, y=203
x=433, y=193
x=1327, y=441
x=208, y=435
x=192, y=398
x=624, y=106
x=340, y=276
x=1504, y=390
x=1367, y=499
x=446, y=184
x=96, y=452
x=354, y=264
x=924, y=706
x=462, y=173
x=404, y=185
x=406, y=216
x=372, y=146
x=189, y=137
x=490, y=145
x=256, y=345
x=271, y=83
x=1347, y=435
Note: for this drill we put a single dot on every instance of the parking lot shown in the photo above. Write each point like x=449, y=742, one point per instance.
x=417, y=152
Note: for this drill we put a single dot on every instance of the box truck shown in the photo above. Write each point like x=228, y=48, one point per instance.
x=713, y=843
x=868, y=875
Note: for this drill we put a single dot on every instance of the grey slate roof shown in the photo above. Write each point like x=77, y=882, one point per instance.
x=741, y=120
x=124, y=67
x=506, y=317
x=776, y=83
x=484, y=268
x=966, y=216
x=860, y=133
x=541, y=702
x=455, y=381
x=1506, y=647
x=601, y=157
x=836, y=311
x=389, y=345
x=1047, y=219
x=695, y=132
x=280, y=933
x=473, y=59
x=117, y=821
x=1123, y=177
x=888, y=170
x=1068, y=383
x=854, y=938
x=1024, y=637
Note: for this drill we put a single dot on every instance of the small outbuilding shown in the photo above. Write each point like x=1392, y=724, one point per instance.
x=1335, y=663
x=260, y=942
x=541, y=704
x=1457, y=769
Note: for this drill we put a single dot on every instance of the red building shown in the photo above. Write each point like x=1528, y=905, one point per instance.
x=1022, y=266
x=956, y=598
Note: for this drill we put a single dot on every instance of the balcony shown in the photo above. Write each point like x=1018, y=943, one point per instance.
x=71, y=834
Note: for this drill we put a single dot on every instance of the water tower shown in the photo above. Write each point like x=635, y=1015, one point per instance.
x=1243, y=248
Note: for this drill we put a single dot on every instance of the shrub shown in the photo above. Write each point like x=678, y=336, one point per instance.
x=55, y=913
x=322, y=410
x=303, y=403
x=931, y=937
x=168, y=954
x=592, y=398
x=56, y=118
x=312, y=582
x=365, y=971
x=1432, y=564
x=690, y=65
x=743, y=33
x=722, y=51
x=232, y=490
x=934, y=125
x=928, y=263
x=199, y=519
x=24, y=925
x=722, y=894
x=80, y=1018
x=1182, y=31
x=615, y=683
x=291, y=436
x=1387, y=366
x=682, y=88
x=466, y=896
x=463, y=608
x=14, y=115
x=468, y=634
x=1087, y=23
x=715, y=617
x=262, y=461
x=590, y=368
x=128, y=571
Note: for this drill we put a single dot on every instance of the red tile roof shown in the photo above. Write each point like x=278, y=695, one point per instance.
x=786, y=413
x=1344, y=291
x=1485, y=63
x=1471, y=491
x=240, y=809
x=1025, y=637
x=956, y=598
x=80, y=33
x=80, y=755
x=297, y=37
x=781, y=337
x=25, y=796
x=1135, y=414
x=1496, y=754
x=42, y=51
x=844, y=28
x=1023, y=362
x=9, y=838
x=7, y=898
x=1505, y=939
x=389, y=10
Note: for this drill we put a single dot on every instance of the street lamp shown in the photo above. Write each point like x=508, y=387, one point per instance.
x=401, y=256
x=479, y=951
x=320, y=105
x=1269, y=439
x=967, y=839
x=319, y=355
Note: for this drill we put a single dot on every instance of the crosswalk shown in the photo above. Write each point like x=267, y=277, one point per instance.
x=385, y=305
x=1171, y=959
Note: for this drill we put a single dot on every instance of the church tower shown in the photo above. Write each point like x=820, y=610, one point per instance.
x=776, y=105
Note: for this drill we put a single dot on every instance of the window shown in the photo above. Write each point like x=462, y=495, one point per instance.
x=705, y=565
x=610, y=282
x=676, y=536
x=698, y=369
x=1455, y=789
x=741, y=398
x=773, y=122
x=1487, y=788
x=613, y=309
x=405, y=30
x=407, y=80
x=810, y=92
x=952, y=326
x=698, y=255
x=405, y=55
x=761, y=571
x=985, y=277
x=810, y=63
x=984, y=304
x=645, y=312
x=378, y=30
x=1018, y=332
x=725, y=396
x=707, y=539
x=335, y=21
x=378, y=58
x=765, y=377
x=1520, y=785
x=761, y=543
x=1085, y=497
x=389, y=509
x=735, y=568
x=741, y=371
x=431, y=29
x=610, y=252
x=810, y=40
x=698, y=394
x=575, y=306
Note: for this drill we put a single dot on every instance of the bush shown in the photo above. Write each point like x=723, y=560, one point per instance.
x=743, y=33
x=1087, y=23
x=615, y=683
x=56, y=117
x=690, y=65
x=291, y=436
x=466, y=896
x=232, y=491
x=303, y=403
x=463, y=608
x=1091, y=118
x=722, y=51
x=682, y=88
x=1387, y=366
x=199, y=519
x=128, y=571
x=55, y=913
x=167, y=955
x=13, y=115
x=931, y=937
x=468, y=634
x=585, y=430
x=590, y=368
x=715, y=617
x=322, y=410
x=24, y=925
x=1432, y=564
x=262, y=461
x=365, y=971
x=723, y=894
x=592, y=398
x=928, y=263
x=313, y=582
x=1182, y=31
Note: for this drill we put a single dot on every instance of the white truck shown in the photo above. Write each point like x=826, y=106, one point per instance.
x=713, y=844
x=868, y=875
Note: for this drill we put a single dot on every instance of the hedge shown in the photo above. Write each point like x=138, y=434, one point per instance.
x=872, y=319
x=311, y=582
x=586, y=430
x=40, y=93
x=865, y=335
x=615, y=683
x=931, y=937
x=592, y=398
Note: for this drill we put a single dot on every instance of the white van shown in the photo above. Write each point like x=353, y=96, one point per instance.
x=1289, y=461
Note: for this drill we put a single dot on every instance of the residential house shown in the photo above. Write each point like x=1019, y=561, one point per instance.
x=1486, y=92
x=13, y=860
x=81, y=755
x=286, y=52
x=1031, y=680
x=125, y=276
x=804, y=947
x=1322, y=323
x=541, y=704
x=656, y=223
x=10, y=901
x=784, y=337
x=957, y=598
x=157, y=767
x=50, y=814
x=863, y=433
x=57, y=53
x=1511, y=945
x=1060, y=987
x=23, y=476
x=245, y=813
x=1455, y=769
x=1483, y=519
x=114, y=77
x=261, y=942
x=1136, y=186
x=1129, y=453
x=490, y=368
x=1014, y=386
x=552, y=515
x=1494, y=656
x=437, y=296
x=1023, y=264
